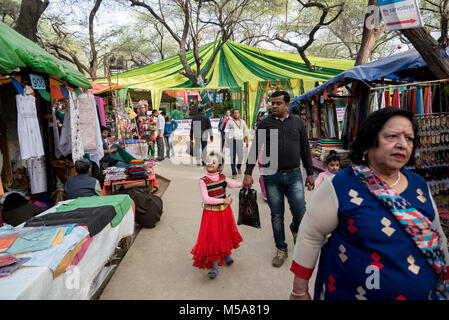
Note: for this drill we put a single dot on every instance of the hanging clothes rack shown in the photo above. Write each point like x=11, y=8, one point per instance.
x=411, y=84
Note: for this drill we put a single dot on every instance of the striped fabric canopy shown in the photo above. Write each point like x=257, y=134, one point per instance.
x=235, y=66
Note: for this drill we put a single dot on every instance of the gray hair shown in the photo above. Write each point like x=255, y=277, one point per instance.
x=82, y=166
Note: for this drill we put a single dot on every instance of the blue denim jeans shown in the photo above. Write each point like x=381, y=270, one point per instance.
x=237, y=152
x=291, y=186
x=169, y=145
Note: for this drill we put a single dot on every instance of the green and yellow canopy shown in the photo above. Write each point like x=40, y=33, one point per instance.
x=237, y=67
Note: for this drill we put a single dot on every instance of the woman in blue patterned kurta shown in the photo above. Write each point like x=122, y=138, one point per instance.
x=386, y=240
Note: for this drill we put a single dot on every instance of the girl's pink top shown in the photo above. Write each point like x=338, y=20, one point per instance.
x=214, y=177
x=321, y=177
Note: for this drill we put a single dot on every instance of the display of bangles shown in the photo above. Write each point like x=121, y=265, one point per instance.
x=432, y=155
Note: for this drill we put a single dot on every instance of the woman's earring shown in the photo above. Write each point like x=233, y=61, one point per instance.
x=364, y=157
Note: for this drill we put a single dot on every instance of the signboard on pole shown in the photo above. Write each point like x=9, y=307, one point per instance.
x=37, y=81
x=400, y=14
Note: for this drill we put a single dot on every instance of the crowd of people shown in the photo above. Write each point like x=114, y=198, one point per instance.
x=374, y=225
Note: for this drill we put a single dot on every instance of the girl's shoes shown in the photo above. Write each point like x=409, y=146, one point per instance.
x=229, y=260
x=213, y=273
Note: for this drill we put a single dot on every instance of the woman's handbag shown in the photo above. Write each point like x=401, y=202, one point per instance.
x=248, y=208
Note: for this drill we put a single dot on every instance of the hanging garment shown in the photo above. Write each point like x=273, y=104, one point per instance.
x=65, y=139
x=387, y=98
x=370, y=102
x=58, y=153
x=75, y=128
x=396, y=98
x=375, y=101
x=38, y=174
x=330, y=119
x=404, y=100
x=87, y=115
x=413, y=106
x=382, y=100
x=436, y=98
x=419, y=101
x=30, y=139
x=100, y=107
x=444, y=99
x=427, y=99
x=97, y=154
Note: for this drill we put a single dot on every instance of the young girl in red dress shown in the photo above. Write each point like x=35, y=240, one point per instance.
x=218, y=233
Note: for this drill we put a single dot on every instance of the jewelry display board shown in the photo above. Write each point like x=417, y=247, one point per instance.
x=432, y=155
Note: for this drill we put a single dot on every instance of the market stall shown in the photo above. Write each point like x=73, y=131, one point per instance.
x=68, y=268
x=31, y=80
x=402, y=81
x=48, y=120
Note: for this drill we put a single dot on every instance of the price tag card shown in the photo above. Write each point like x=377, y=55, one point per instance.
x=37, y=81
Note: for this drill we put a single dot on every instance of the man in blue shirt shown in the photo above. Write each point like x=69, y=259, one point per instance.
x=170, y=127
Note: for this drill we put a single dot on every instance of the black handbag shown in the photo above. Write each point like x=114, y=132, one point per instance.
x=248, y=208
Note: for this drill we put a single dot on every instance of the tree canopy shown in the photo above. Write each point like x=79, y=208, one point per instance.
x=91, y=33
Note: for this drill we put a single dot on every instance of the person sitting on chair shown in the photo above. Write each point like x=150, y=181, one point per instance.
x=82, y=185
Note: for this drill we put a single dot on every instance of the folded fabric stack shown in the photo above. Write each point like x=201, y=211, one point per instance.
x=115, y=174
x=42, y=246
x=136, y=163
x=323, y=146
x=137, y=173
x=58, y=240
x=121, y=164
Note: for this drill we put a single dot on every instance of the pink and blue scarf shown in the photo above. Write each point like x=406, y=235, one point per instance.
x=418, y=227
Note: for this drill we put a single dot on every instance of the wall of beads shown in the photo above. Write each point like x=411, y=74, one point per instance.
x=432, y=156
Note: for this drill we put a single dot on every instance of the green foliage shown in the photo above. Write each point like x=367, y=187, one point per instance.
x=131, y=32
x=9, y=11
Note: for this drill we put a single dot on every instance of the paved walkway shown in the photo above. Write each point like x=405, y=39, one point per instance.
x=159, y=263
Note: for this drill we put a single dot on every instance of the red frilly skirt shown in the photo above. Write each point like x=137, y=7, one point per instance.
x=218, y=235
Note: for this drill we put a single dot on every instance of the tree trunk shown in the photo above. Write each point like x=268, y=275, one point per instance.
x=429, y=50
x=30, y=13
x=370, y=35
x=188, y=73
x=94, y=59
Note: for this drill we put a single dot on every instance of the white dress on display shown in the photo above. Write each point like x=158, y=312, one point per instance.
x=29, y=133
x=77, y=142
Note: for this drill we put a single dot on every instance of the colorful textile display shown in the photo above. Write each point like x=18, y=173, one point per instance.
x=7, y=270
x=114, y=174
x=7, y=240
x=52, y=256
x=121, y=203
x=100, y=108
x=35, y=240
x=7, y=259
x=121, y=155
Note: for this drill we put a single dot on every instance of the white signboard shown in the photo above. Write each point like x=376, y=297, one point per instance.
x=184, y=125
x=400, y=14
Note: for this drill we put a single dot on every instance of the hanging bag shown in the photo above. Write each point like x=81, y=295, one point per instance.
x=248, y=208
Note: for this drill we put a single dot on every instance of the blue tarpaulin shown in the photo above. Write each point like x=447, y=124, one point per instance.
x=383, y=68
